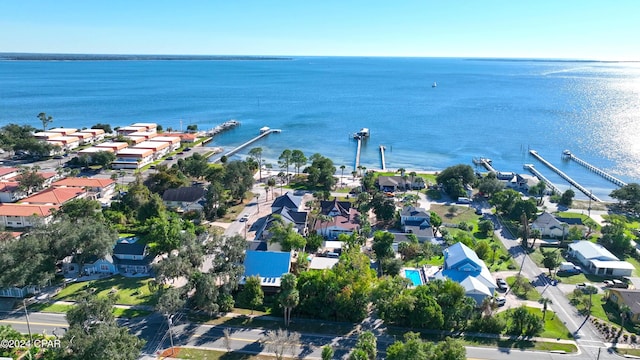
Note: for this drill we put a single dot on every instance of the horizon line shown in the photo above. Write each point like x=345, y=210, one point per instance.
x=277, y=57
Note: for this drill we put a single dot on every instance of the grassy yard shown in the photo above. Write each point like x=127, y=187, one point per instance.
x=130, y=291
x=578, y=278
x=234, y=211
x=511, y=344
x=62, y=309
x=463, y=213
x=553, y=326
x=202, y=354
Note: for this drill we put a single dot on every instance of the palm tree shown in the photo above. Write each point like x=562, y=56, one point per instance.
x=401, y=171
x=342, y=167
x=354, y=173
x=413, y=176
x=624, y=315
x=545, y=303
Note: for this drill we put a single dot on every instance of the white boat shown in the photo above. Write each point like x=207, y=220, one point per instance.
x=434, y=84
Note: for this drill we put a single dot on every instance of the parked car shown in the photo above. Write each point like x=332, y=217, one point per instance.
x=500, y=300
x=587, y=288
x=478, y=211
x=170, y=158
x=615, y=283
x=502, y=285
x=244, y=218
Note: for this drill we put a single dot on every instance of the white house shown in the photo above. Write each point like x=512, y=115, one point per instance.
x=598, y=260
x=550, y=226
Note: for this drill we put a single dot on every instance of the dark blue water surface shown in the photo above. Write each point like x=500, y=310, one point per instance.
x=480, y=108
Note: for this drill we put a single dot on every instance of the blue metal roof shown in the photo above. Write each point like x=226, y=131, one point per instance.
x=267, y=264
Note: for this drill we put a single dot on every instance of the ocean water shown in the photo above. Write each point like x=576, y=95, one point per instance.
x=497, y=109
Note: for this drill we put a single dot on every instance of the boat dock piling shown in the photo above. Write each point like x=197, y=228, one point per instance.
x=542, y=178
x=358, y=149
x=484, y=162
x=222, y=127
x=568, y=155
x=564, y=176
x=384, y=166
x=238, y=148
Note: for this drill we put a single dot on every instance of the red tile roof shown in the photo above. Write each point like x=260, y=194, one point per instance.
x=26, y=210
x=82, y=182
x=9, y=186
x=7, y=170
x=56, y=196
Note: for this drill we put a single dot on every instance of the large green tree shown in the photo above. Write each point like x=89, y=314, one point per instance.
x=252, y=294
x=454, y=179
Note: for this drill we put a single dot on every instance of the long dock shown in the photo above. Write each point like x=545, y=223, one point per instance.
x=357, y=165
x=542, y=178
x=384, y=165
x=484, y=162
x=244, y=145
x=564, y=176
x=568, y=155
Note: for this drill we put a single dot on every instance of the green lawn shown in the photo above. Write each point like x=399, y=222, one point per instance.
x=510, y=344
x=464, y=213
x=62, y=309
x=566, y=278
x=130, y=291
x=553, y=326
x=202, y=354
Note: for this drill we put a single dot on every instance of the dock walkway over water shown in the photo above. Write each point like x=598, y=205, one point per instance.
x=358, y=149
x=238, y=148
x=568, y=155
x=542, y=178
x=484, y=162
x=384, y=165
x=564, y=176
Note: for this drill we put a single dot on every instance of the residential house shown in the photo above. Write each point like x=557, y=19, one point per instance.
x=184, y=198
x=7, y=173
x=462, y=265
x=54, y=196
x=269, y=265
x=63, y=131
x=93, y=265
x=174, y=142
x=417, y=221
x=145, y=134
x=102, y=188
x=47, y=135
x=344, y=219
x=114, y=146
x=286, y=209
x=83, y=137
x=22, y=216
x=598, y=260
x=135, y=139
x=550, y=226
x=160, y=149
x=132, y=257
x=323, y=262
x=131, y=158
x=10, y=192
x=97, y=135
x=68, y=142
x=393, y=183
x=628, y=297
x=185, y=138
x=150, y=127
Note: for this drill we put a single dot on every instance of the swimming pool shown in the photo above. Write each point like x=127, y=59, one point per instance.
x=414, y=276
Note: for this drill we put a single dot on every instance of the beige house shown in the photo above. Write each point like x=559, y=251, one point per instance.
x=132, y=158
x=22, y=216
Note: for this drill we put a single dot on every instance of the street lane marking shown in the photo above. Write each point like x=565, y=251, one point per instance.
x=32, y=323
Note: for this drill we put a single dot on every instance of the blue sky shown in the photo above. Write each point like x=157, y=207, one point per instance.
x=579, y=29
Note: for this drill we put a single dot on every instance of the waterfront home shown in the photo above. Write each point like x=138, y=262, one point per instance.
x=417, y=221
x=598, y=260
x=160, y=149
x=24, y=215
x=46, y=135
x=150, y=127
x=549, y=226
x=285, y=208
x=344, y=219
x=63, y=131
x=268, y=265
x=462, y=265
x=630, y=298
x=145, y=134
x=131, y=158
x=174, y=142
x=392, y=183
x=95, y=186
x=132, y=257
x=54, y=196
x=185, y=198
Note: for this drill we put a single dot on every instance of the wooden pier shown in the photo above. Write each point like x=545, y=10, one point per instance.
x=542, y=178
x=568, y=155
x=384, y=165
x=484, y=162
x=564, y=176
x=358, y=149
x=222, y=127
x=244, y=145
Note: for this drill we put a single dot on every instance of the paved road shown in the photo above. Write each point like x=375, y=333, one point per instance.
x=585, y=334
